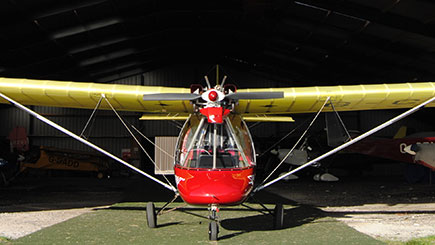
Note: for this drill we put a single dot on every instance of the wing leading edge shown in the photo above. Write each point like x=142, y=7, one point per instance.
x=296, y=100
x=86, y=95
x=344, y=98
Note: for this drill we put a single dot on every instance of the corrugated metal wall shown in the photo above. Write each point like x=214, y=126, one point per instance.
x=106, y=131
x=11, y=118
x=164, y=155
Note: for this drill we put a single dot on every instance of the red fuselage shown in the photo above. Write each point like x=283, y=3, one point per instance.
x=214, y=159
x=214, y=186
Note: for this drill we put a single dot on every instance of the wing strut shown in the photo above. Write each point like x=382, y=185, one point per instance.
x=95, y=147
x=297, y=142
x=82, y=134
x=341, y=121
x=135, y=139
x=351, y=142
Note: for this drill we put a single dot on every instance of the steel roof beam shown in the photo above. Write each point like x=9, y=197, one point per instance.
x=85, y=28
x=381, y=16
x=66, y=7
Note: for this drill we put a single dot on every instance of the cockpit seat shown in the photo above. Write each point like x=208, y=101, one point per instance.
x=223, y=160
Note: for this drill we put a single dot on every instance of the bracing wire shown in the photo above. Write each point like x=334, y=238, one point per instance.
x=84, y=141
x=296, y=144
x=82, y=134
x=136, y=140
x=158, y=147
x=344, y=145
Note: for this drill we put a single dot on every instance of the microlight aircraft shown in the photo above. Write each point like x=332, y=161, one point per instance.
x=215, y=158
x=415, y=148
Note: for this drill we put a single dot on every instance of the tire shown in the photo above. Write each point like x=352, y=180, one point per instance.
x=100, y=175
x=3, y=180
x=151, y=215
x=278, y=216
x=213, y=230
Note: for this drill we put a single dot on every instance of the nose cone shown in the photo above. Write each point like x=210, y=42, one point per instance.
x=212, y=96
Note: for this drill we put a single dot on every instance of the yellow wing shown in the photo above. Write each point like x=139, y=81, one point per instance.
x=344, y=98
x=296, y=100
x=87, y=95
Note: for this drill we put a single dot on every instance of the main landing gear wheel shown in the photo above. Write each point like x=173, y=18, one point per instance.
x=213, y=226
x=278, y=216
x=151, y=215
x=100, y=175
x=213, y=230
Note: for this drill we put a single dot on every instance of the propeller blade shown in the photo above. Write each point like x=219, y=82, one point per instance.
x=170, y=96
x=255, y=96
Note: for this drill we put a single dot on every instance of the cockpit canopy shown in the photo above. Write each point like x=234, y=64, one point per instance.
x=215, y=146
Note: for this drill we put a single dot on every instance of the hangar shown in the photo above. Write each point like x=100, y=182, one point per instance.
x=257, y=44
x=175, y=44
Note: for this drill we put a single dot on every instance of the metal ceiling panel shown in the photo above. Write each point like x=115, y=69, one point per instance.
x=305, y=40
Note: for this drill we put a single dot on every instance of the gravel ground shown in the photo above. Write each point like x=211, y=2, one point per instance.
x=396, y=227
x=399, y=222
x=31, y=204
x=19, y=224
x=392, y=210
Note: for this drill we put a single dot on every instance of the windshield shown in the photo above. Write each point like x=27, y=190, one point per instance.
x=214, y=146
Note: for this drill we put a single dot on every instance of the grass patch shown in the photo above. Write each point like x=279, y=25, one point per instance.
x=429, y=240
x=126, y=223
x=4, y=240
x=422, y=241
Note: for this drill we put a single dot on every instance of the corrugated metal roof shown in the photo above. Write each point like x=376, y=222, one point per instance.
x=308, y=41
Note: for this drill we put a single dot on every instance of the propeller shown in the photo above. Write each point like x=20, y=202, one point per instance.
x=232, y=96
x=255, y=95
x=216, y=94
x=170, y=96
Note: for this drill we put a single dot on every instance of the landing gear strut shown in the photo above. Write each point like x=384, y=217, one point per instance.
x=213, y=227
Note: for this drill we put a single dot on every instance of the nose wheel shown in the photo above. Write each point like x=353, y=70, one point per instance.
x=213, y=226
x=213, y=230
